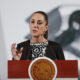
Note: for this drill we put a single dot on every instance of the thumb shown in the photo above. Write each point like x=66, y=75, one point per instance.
x=21, y=49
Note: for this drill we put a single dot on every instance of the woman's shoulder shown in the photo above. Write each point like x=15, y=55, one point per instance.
x=24, y=43
x=53, y=43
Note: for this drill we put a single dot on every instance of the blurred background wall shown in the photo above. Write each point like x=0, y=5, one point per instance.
x=64, y=26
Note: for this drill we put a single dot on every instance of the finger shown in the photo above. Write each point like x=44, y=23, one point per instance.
x=19, y=55
x=19, y=52
x=13, y=45
x=21, y=49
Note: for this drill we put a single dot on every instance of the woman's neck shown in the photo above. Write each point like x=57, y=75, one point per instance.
x=38, y=39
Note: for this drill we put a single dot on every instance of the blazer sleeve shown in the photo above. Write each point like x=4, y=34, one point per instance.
x=59, y=53
x=18, y=47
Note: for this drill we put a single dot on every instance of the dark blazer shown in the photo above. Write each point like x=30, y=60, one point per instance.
x=53, y=51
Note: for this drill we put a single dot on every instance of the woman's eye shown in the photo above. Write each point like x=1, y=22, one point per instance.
x=39, y=23
x=32, y=21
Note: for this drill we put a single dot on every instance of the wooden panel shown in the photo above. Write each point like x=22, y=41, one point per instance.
x=66, y=68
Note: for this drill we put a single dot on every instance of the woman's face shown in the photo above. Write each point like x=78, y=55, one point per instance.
x=38, y=25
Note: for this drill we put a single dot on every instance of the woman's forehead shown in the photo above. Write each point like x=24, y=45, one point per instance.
x=37, y=16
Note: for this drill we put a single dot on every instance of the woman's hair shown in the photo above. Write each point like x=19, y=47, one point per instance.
x=46, y=19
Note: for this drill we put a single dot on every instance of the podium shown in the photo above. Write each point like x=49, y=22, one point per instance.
x=65, y=69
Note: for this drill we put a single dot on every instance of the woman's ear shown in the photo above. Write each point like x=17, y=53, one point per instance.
x=46, y=32
x=47, y=27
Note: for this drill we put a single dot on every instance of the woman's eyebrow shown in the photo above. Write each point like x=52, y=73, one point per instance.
x=32, y=19
x=39, y=20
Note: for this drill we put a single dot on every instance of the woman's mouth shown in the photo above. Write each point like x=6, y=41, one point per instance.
x=35, y=31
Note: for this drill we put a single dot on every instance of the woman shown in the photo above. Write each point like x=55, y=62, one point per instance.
x=39, y=45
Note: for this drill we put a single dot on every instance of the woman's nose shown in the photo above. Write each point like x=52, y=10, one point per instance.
x=35, y=25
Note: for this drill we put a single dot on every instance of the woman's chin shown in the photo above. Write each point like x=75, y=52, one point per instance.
x=35, y=35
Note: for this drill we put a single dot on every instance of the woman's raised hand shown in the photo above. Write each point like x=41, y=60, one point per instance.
x=15, y=53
